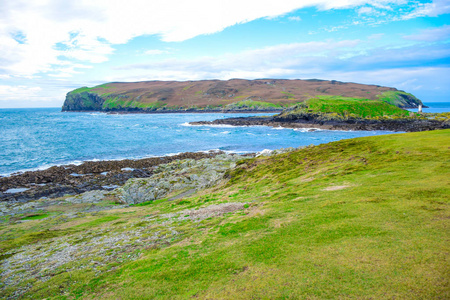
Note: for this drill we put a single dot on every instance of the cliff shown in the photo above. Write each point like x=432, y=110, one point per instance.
x=217, y=95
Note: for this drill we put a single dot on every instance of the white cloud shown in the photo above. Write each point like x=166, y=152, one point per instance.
x=35, y=93
x=431, y=34
x=35, y=35
x=349, y=60
x=295, y=18
x=265, y=62
x=365, y=10
x=8, y=92
x=424, y=82
x=433, y=9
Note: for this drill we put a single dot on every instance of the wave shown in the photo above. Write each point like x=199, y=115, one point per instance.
x=97, y=114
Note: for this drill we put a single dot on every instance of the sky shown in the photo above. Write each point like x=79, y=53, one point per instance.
x=50, y=47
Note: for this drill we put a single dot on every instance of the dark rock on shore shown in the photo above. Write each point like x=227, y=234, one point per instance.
x=407, y=125
x=59, y=181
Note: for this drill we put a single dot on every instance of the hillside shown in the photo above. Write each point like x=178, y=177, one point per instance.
x=364, y=218
x=216, y=95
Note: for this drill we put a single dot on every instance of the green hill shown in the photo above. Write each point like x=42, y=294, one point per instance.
x=364, y=218
x=343, y=108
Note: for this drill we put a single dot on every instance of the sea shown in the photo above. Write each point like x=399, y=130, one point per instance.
x=38, y=138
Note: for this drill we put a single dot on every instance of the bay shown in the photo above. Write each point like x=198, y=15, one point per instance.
x=39, y=138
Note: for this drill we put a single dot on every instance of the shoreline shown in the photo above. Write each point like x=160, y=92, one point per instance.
x=58, y=181
x=396, y=125
x=123, y=112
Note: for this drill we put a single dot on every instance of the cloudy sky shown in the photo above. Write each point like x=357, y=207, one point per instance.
x=48, y=48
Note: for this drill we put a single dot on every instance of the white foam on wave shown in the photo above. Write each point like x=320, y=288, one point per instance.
x=308, y=129
x=97, y=114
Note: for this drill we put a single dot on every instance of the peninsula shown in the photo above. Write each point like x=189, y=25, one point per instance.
x=343, y=113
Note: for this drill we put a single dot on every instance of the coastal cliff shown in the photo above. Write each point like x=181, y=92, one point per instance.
x=235, y=95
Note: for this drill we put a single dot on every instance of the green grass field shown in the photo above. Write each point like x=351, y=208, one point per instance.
x=364, y=218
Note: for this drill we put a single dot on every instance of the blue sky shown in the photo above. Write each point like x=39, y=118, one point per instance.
x=48, y=48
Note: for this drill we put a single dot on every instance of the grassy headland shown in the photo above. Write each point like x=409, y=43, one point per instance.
x=359, y=218
x=344, y=113
x=346, y=107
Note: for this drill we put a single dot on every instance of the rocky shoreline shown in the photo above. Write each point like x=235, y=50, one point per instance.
x=404, y=125
x=65, y=180
x=127, y=182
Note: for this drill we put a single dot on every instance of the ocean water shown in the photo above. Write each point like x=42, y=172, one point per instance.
x=39, y=138
x=435, y=107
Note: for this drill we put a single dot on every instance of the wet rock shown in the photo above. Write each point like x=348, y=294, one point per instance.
x=65, y=180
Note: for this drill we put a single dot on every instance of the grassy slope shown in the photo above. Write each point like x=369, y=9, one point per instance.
x=383, y=232
x=398, y=98
x=347, y=107
x=359, y=107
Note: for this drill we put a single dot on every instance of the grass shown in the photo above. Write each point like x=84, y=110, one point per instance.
x=348, y=107
x=363, y=218
x=81, y=90
x=398, y=98
x=251, y=104
x=354, y=106
x=94, y=89
x=35, y=216
x=116, y=103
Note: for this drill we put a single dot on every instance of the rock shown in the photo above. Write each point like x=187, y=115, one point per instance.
x=88, y=197
x=178, y=176
x=309, y=121
x=59, y=181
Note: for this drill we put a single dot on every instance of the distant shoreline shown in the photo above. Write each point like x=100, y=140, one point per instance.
x=179, y=111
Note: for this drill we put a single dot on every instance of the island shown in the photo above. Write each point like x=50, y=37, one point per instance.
x=234, y=95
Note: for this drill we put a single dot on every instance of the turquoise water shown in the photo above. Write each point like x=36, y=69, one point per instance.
x=39, y=138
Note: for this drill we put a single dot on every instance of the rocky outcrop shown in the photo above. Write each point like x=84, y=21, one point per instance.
x=83, y=101
x=407, y=125
x=178, y=176
x=59, y=181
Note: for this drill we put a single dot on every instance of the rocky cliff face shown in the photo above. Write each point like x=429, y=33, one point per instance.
x=84, y=101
